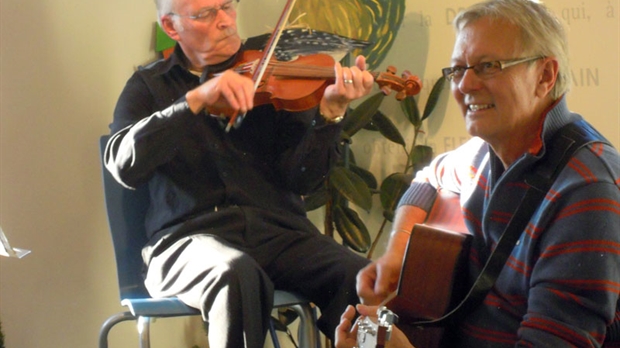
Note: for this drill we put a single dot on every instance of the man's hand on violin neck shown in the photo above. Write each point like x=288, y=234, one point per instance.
x=351, y=83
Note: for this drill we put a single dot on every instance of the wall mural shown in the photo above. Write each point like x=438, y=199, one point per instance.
x=375, y=21
x=303, y=41
x=336, y=27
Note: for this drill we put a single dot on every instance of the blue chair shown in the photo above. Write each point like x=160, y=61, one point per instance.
x=126, y=210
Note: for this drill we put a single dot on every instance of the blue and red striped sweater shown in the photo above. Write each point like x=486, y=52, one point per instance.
x=561, y=284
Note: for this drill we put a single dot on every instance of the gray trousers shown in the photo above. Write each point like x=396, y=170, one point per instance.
x=233, y=285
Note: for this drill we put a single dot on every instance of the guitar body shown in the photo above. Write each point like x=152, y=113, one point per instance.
x=433, y=271
x=430, y=281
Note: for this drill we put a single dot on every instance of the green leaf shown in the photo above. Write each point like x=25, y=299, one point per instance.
x=409, y=105
x=389, y=215
x=351, y=228
x=388, y=129
x=367, y=176
x=421, y=156
x=392, y=189
x=370, y=127
x=316, y=199
x=433, y=98
x=362, y=114
x=338, y=199
x=351, y=186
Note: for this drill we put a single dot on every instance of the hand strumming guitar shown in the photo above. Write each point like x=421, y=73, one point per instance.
x=379, y=279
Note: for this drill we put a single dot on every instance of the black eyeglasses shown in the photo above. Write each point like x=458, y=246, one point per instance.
x=484, y=69
x=207, y=15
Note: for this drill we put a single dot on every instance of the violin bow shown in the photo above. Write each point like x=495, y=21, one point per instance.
x=235, y=119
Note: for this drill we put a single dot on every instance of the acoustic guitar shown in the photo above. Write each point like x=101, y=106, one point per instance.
x=430, y=280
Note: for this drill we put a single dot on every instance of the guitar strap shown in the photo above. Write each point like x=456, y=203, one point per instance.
x=565, y=142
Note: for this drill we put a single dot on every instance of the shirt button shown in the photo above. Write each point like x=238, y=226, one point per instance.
x=303, y=169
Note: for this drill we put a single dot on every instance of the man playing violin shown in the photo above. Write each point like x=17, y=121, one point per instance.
x=560, y=284
x=227, y=223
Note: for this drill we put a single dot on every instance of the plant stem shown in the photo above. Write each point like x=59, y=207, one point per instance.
x=374, y=242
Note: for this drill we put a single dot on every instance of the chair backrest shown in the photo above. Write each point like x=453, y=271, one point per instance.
x=126, y=211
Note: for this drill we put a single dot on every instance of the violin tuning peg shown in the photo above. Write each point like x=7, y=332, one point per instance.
x=391, y=69
x=401, y=95
x=386, y=89
x=414, y=84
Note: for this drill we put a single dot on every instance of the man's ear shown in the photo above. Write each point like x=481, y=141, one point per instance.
x=548, y=76
x=168, y=26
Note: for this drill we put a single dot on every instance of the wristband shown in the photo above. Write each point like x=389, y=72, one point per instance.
x=334, y=120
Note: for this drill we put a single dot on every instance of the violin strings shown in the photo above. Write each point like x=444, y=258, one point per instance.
x=302, y=70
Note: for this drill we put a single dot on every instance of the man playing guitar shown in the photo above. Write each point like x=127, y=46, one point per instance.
x=559, y=287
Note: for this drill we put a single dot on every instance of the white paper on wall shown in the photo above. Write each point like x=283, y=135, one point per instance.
x=7, y=250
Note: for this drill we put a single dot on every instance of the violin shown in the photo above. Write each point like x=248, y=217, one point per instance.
x=299, y=85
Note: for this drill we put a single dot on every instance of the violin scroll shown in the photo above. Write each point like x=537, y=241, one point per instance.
x=407, y=84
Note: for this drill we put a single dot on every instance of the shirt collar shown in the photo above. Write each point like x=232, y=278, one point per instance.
x=178, y=58
x=553, y=118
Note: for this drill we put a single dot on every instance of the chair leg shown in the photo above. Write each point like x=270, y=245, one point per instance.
x=274, y=335
x=308, y=334
x=144, y=329
x=109, y=323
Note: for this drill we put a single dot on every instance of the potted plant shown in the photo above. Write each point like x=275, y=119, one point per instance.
x=348, y=183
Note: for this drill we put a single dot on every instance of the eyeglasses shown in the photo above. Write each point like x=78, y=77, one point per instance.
x=208, y=14
x=484, y=69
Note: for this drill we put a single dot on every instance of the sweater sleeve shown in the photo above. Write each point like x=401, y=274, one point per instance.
x=453, y=171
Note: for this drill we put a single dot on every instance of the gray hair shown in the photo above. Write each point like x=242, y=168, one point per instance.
x=165, y=7
x=541, y=31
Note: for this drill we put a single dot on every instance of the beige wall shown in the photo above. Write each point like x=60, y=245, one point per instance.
x=63, y=64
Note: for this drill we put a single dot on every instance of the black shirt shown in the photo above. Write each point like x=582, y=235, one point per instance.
x=198, y=173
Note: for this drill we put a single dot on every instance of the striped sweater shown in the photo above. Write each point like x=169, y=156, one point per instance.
x=561, y=284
